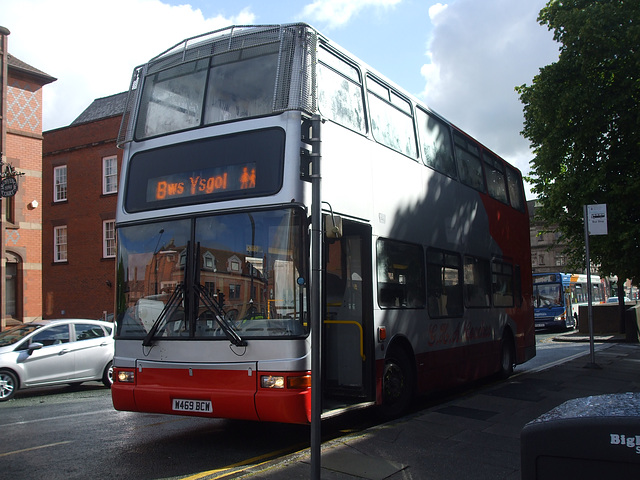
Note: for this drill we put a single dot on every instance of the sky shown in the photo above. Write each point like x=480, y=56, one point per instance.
x=463, y=58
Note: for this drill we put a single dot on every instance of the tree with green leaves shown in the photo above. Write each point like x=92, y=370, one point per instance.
x=582, y=117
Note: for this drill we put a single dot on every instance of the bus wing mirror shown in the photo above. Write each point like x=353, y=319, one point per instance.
x=333, y=226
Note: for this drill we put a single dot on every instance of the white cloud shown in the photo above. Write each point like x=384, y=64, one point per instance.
x=337, y=13
x=435, y=10
x=92, y=47
x=479, y=52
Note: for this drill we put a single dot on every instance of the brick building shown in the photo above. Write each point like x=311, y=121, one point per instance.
x=21, y=225
x=81, y=163
x=547, y=251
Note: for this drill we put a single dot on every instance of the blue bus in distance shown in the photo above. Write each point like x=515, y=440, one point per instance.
x=557, y=298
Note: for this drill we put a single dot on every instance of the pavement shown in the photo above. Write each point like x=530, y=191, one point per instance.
x=475, y=435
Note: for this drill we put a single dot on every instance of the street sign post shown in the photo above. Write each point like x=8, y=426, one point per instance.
x=595, y=223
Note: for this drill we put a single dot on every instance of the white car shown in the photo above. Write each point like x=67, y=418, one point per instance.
x=54, y=352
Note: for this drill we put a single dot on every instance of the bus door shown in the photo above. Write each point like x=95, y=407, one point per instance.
x=347, y=356
x=568, y=301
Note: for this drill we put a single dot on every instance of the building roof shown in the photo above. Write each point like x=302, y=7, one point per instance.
x=105, y=107
x=18, y=65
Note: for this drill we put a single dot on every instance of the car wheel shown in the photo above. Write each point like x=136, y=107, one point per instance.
x=107, y=376
x=397, y=384
x=8, y=385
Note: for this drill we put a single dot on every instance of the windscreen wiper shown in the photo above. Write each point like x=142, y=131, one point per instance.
x=178, y=292
x=219, y=314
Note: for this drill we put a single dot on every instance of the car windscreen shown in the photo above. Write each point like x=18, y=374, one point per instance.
x=15, y=334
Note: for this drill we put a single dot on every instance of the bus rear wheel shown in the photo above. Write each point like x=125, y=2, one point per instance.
x=397, y=384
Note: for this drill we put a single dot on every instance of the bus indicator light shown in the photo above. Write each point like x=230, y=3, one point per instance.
x=299, y=382
x=382, y=334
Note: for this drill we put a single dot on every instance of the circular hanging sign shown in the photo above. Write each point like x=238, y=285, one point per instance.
x=8, y=186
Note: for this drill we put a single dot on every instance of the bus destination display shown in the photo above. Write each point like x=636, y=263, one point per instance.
x=204, y=182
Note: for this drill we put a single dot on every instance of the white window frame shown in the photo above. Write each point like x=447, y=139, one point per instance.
x=60, y=190
x=109, y=239
x=110, y=175
x=60, y=243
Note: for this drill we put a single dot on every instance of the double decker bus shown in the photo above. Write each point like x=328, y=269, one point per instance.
x=421, y=241
x=557, y=298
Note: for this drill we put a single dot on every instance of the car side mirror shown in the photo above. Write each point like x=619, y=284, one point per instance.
x=33, y=347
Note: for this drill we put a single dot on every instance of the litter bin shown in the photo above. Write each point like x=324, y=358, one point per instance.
x=585, y=438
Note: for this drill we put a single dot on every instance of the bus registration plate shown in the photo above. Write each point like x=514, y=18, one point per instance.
x=183, y=405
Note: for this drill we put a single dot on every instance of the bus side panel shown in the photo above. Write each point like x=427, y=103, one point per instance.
x=510, y=230
x=122, y=395
x=442, y=369
x=284, y=405
x=231, y=392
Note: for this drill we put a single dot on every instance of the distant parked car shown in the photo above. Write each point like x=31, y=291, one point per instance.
x=615, y=300
x=55, y=352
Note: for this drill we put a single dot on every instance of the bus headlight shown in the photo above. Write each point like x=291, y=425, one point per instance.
x=292, y=381
x=126, y=376
x=271, y=381
x=559, y=318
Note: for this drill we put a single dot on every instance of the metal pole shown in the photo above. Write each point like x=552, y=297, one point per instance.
x=592, y=363
x=315, y=299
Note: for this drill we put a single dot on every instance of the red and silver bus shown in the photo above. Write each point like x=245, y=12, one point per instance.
x=424, y=275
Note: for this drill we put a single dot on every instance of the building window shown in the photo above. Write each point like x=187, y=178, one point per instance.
x=208, y=262
x=109, y=175
x=60, y=244
x=11, y=289
x=108, y=239
x=60, y=183
x=234, y=292
x=10, y=209
x=233, y=264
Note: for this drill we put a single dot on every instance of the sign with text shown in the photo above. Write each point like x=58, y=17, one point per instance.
x=189, y=184
x=8, y=187
x=208, y=170
x=597, y=219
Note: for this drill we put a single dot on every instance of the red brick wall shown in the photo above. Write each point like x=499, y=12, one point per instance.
x=22, y=238
x=84, y=285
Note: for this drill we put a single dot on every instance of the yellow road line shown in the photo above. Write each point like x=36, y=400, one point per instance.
x=34, y=448
x=226, y=470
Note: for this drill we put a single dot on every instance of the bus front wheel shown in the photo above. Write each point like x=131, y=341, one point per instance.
x=397, y=384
